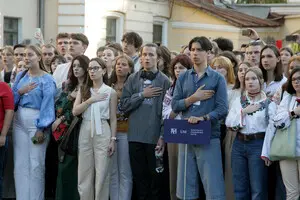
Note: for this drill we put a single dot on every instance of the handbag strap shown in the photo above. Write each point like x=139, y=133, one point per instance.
x=66, y=137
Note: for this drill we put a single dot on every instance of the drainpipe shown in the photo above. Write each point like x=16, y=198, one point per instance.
x=41, y=15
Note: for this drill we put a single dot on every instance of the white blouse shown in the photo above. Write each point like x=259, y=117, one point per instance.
x=249, y=123
x=167, y=108
x=233, y=94
x=98, y=111
x=273, y=87
x=282, y=117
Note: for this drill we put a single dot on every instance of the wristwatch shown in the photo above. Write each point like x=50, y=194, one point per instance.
x=113, y=138
x=293, y=114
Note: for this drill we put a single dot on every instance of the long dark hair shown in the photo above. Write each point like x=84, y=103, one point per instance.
x=289, y=88
x=278, y=71
x=85, y=89
x=72, y=80
x=237, y=84
x=166, y=56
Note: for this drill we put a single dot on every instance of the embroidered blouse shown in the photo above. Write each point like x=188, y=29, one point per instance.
x=251, y=123
x=167, y=108
x=273, y=87
x=40, y=98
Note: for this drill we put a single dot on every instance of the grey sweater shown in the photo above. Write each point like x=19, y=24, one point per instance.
x=145, y=114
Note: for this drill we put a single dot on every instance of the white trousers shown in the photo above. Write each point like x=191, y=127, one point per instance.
x=29, y=158
x=290, y=170
x=121, y=177
x=93, y=162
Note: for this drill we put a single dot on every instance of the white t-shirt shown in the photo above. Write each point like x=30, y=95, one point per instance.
x=61, y=74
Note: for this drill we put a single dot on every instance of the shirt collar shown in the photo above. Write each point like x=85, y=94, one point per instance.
x=208, y=71
x=135, y=57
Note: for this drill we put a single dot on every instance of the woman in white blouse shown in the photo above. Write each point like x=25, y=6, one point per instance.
x=233, y=94
x=97, y=103
x=271, y=66
x=249, y=115
x=288, y=110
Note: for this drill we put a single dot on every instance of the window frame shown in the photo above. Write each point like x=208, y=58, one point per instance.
x=164, y=23
x=119, y=24
x=16, y=32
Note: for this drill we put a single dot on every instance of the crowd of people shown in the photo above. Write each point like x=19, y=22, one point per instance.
x=92, y=128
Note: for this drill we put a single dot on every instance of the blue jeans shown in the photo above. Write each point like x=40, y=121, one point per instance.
x=3, y=150
x=250, y=175
x=205, y=162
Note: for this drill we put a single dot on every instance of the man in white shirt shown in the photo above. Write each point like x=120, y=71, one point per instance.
x=78, y=43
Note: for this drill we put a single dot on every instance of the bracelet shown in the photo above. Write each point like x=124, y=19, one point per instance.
x=113, y=138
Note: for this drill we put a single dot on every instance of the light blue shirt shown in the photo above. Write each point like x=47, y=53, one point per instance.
x=216, y=107
x=40, y=98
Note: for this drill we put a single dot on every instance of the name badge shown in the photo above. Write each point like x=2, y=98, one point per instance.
x=180, y=131
x=197, y=103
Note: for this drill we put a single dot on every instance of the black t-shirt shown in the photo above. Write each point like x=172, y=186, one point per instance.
x=7, y=76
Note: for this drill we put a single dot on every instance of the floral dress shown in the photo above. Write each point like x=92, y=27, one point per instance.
x=63, y=107
x=68, y=167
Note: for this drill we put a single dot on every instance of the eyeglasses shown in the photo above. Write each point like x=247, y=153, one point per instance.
x=296, y=79
x=95, y=69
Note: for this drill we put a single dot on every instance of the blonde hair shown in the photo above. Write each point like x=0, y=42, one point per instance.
x=38, y=52
x=9, y=49
x=226, y=63
x=259, y=74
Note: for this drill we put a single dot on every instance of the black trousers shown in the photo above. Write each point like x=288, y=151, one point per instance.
x=51, y=171
x=148, y=183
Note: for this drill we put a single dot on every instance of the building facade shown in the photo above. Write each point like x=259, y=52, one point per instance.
x=18, y=21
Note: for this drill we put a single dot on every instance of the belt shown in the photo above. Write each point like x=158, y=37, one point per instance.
x=254, y=136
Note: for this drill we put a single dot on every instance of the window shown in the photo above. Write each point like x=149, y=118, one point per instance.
x=157, y=34
x=160, y=31
x=111, y=30
x=11, y=31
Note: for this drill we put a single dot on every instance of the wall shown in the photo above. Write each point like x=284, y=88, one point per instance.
x=51, y=13
x=26, y=10
x=187, y=23
x=131, y=15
